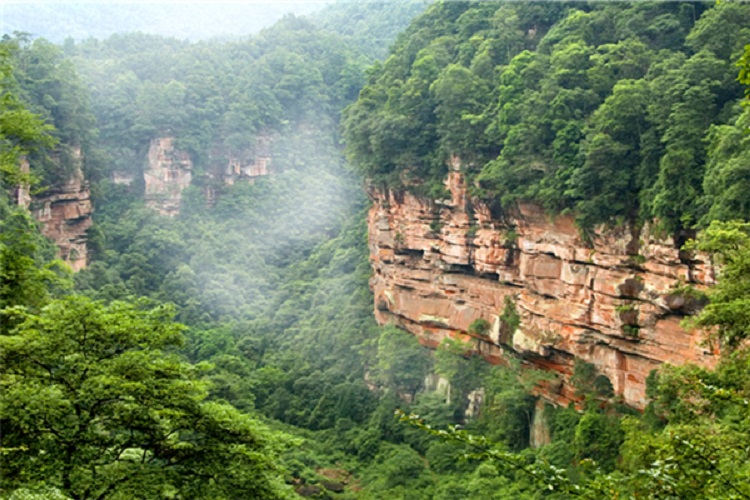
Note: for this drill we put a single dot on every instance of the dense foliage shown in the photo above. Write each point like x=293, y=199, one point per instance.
x=49, y=86
x=587, y=107
x=220, y=95
x=97, y=403
x=217, y=99
x=611, y=110
x=371, y=26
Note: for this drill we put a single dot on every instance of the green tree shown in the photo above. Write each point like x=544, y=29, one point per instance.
x=727, y=178
x=402, y=362
x=606, y=184
x=397, y=472
x=49, y=86
x=702, y=452
x=692, y=100
x=97, y=404
x=727, y=316
x=728, y=165
x=463, y=369
x=21, y=131
x=461, y=97
x=28, y=273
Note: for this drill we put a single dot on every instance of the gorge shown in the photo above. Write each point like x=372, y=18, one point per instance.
x=506, y=258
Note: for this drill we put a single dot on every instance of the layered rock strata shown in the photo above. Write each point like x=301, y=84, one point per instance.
x=65, y=213
x=169, y=171
x=614, y=299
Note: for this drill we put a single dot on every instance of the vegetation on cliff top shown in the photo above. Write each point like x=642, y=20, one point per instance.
x=611, y=110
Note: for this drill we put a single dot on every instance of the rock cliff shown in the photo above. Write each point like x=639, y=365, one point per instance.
x=251, y=164
x=614, y=299
x=168, y=172
x=65, y=213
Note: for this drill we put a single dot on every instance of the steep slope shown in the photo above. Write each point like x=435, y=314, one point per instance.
x=56, y=189
x=615, y=301
x=65, y=213
x=559, y=155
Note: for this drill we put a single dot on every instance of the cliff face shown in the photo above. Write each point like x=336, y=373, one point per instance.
x=65, y=214
x=167, y=173
x=613, y=301
x=251, y=164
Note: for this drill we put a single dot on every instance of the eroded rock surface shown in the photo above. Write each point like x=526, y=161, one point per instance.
x=167, y=173
x=251, y=164
x=614, y=301
x=65, y=213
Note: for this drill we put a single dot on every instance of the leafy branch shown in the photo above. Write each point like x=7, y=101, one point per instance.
x=551, y=477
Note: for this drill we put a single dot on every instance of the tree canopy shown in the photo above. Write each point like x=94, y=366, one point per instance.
x=97, y=403
x=610, y=110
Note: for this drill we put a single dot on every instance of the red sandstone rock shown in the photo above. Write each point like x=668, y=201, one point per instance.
x=252, y=163
x=607, y=302
x=169, y=171
x=65, y=214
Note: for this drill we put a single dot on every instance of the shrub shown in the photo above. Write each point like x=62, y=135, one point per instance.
x=480, y=327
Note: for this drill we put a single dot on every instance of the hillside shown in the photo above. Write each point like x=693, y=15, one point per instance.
x=58, y=21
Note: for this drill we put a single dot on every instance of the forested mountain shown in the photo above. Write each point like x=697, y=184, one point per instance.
x=277, y=381
x=214, y=96
x=371, y=26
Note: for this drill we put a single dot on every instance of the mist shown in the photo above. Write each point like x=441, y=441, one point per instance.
x=59, y=20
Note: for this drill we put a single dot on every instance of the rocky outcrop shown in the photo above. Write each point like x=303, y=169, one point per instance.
x=251, y=164
x=539, y=431
x=614, y=299
x=167, y=173
x=22, y=192
x=122, y=178
x=65, y=213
